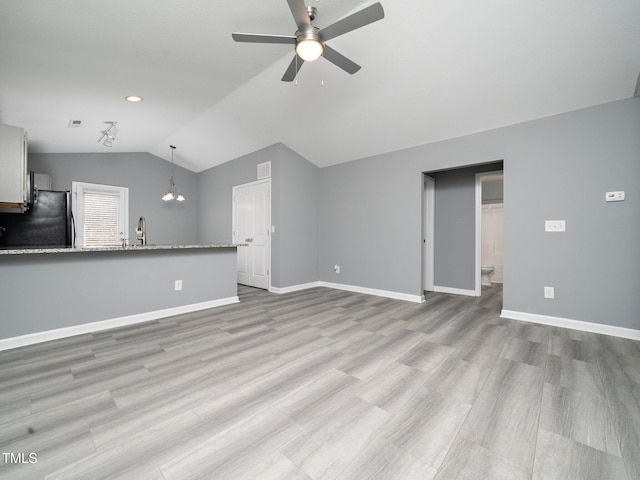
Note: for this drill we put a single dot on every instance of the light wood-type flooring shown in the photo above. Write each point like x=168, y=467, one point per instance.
x=325, y=384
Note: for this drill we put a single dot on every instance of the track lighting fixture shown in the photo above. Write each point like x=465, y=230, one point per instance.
x=109, y=135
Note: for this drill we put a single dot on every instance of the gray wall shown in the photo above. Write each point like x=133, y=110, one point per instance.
x=369, y=224
x=492, y=191
x=369, y=210
x=298, y=228
x=455, y=226
x=294, y=192
x=216, y=187
x=42, y=292
x=146, y=176
x=555, y=168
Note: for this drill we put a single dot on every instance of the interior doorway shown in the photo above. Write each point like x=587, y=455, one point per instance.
x=428, y=230
x=251, y=226
x=451, y=227
x=489, y=229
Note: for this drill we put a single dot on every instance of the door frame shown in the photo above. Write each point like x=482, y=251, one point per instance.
x=479, y=177
x=234, y=238
x=428, y=233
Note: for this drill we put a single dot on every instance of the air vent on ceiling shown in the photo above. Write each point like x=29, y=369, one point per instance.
x=264, y=170
x=75, y=123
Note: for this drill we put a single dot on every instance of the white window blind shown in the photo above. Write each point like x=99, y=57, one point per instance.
x=101, y=219
x=101, y=214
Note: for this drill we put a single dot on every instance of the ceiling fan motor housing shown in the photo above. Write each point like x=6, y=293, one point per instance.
x=311, y=34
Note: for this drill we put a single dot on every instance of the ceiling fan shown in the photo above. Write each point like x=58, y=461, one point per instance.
x=310, y=41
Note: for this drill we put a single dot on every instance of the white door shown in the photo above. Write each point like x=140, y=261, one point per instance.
x=252, y=225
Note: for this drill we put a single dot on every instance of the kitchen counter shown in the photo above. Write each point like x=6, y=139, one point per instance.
x=49, y=293
x=64, y=249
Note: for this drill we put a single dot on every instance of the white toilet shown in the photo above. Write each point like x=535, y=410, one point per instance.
x=486, y=271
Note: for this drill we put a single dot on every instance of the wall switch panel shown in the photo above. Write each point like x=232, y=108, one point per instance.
x=549, y=292
x=178, y=285
x=614, y=196
x=555, y=226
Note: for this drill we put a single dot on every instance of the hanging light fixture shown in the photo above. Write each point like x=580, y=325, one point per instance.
x=171, y=193
x=109, y=135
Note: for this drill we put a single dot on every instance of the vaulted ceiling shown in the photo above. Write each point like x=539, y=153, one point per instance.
x=431, y=70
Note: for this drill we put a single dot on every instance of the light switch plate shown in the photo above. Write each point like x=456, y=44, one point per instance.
x=555, y=226
x=614, y=196
x=549, y=292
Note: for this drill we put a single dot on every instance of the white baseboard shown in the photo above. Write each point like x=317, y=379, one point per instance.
x=38, y=337
x=351, y=288
x=456, y=291
x=294, y=288
x=374, y=291
x=572, y=324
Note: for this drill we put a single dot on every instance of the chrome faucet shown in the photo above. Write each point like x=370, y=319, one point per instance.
x=141, y=231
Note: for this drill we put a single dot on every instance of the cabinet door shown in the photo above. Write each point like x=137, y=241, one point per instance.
x=13, y=165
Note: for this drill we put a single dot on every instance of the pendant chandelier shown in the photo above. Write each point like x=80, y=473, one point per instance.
x=171, y=193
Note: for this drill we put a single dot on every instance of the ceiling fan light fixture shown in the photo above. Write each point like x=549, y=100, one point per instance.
x=310, y=41
x=309, y=49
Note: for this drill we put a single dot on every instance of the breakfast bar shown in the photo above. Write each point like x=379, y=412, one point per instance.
x=48, y=293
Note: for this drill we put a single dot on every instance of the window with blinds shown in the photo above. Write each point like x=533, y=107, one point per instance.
x=101, y=219
x=100, y=212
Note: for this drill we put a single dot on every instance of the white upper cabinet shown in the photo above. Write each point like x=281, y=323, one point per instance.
x=13, y=169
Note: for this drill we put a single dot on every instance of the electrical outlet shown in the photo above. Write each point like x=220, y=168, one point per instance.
x=555, y=226
x=549, y=292
x=178, y=285
x=336, y=268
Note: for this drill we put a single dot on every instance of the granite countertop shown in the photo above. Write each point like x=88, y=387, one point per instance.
x=129, y=248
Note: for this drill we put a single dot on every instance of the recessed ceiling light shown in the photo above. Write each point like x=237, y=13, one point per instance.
x=133, y=98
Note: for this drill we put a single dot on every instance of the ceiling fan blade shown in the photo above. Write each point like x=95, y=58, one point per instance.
x=340, y=60
x=263, y=38
x=293, y=69
x=300, y=15
x=359, y=19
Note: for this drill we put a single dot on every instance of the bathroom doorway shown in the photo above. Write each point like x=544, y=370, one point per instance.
x=489, y=230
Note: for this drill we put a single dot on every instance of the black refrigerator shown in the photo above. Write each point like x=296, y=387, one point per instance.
x=48, y=223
